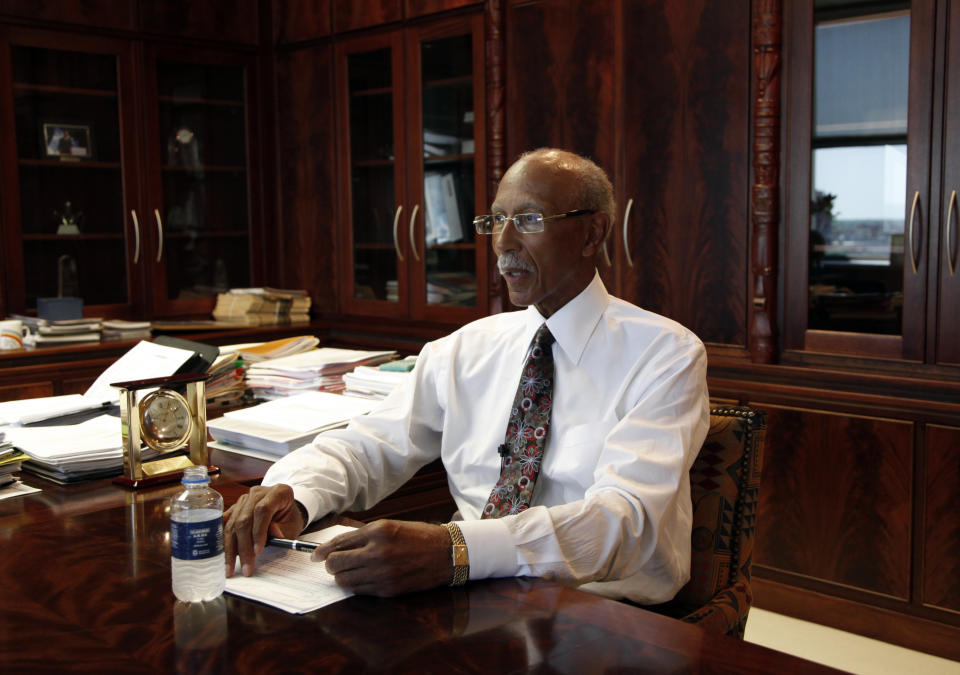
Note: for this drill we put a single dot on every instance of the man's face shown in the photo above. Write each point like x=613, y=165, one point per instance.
x=549, y=268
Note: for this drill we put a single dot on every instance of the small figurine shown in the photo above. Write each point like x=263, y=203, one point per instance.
x=69, y=221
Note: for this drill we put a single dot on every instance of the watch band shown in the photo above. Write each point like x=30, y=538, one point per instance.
x=458, y=555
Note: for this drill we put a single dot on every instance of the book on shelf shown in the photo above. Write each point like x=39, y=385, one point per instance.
x=43, y=338
x=262, y=306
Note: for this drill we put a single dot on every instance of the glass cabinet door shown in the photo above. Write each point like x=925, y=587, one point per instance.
x=200, y=199
x=371, y=69
x=858, y=239
x=447, y=163
x=73, y=202
x=859, y=169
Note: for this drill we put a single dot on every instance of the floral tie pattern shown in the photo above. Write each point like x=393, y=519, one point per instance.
x=526, y=431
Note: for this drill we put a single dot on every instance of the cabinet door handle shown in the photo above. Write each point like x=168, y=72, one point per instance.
x=156, y=214
x=413, y=244
x=396, y=243
x=136, y=236
x=948, y=243
x=913, y=213
x=626, y=231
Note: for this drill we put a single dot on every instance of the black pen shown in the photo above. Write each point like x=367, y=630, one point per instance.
x=294, y=544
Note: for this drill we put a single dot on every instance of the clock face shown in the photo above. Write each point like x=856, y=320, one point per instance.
x=165, y=420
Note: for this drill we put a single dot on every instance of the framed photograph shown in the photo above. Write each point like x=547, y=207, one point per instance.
x=67, y=141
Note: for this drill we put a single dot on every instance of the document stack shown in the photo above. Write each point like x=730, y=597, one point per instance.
x=10, y=459
x=376, y=382
x=277, y=427
x=71, y=453
x=316, y=370
x=262, y=306
x=65, y=330
x=226, y=382
x=118, y=329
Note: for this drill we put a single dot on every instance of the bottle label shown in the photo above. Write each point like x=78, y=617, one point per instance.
x=196, y=541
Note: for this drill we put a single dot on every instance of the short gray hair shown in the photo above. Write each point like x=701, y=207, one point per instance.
x=595, y=190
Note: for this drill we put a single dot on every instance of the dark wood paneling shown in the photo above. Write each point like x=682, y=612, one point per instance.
x=835, y=503
x=14, y=392
x=305, y=161
x=99, y=13
x=352, y=15
x=295, y=20
x=415, y=8
x=562, y=84
x=686, y=111
x=941, y=519
x=235, y=21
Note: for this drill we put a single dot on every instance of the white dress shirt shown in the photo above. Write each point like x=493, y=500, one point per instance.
x=611, y=508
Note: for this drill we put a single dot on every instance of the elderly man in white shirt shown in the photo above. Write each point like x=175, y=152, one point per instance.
x=610, y=508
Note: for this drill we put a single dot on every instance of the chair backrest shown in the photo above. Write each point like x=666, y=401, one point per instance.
x=724, y=486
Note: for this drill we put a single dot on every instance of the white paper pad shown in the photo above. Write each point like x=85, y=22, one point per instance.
x=289, y=580
x=304, y=412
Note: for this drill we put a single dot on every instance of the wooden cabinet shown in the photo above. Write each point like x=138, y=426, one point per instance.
x=941, y=519
x=130, y=183
x=410, y=108
x=835, y=504
x=659, y=95
x=872, y=269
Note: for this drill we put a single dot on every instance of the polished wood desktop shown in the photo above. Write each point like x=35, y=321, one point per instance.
x=85, y=575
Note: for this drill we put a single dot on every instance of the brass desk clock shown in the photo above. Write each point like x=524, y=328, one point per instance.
x=165, y=421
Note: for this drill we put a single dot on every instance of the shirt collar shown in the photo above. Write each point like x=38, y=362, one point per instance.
x=574, y=323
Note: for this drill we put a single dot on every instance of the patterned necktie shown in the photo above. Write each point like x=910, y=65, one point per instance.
x=526, y=431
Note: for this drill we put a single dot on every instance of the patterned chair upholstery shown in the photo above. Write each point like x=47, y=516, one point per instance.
x=724, y=486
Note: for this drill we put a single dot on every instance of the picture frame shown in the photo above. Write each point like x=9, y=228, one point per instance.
x=72, y=142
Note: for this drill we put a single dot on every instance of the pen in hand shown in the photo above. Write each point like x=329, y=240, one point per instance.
x=294, y=544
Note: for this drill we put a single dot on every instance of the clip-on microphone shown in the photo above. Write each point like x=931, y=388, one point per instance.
x=503, y=450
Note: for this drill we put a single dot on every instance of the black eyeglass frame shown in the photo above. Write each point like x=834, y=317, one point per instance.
x=526, y=223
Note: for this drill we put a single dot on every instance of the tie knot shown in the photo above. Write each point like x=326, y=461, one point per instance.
x=543, y=338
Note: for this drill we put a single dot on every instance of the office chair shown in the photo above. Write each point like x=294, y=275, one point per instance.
x=724, y=486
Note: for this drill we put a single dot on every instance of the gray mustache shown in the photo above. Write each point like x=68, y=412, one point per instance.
x=511, y=260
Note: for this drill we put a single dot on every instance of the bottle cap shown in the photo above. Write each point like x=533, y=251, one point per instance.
x=195, y=474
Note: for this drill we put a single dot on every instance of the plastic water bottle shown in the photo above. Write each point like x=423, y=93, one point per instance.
x=196, y=538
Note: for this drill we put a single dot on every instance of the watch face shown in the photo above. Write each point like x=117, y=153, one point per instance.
x=165, y=420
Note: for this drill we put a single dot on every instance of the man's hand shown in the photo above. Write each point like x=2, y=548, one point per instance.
x=389, y=557
x=262, y=512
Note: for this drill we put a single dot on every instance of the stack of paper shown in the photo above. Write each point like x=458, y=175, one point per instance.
x=370, y=382
x=67, y=330
x=144, y=360
x=226, y=381
x=279, y=426
x=118, y=329
x=316, y=370
x=263, y=305
x=70, y=453
x=10, y=458
x=260, y=351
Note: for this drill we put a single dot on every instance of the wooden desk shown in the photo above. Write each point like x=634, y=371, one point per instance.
x=86, y=585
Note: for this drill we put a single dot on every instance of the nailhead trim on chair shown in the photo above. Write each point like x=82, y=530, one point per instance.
x=753, y=417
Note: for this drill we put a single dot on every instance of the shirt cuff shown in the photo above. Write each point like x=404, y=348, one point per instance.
x=490, y=548
x=309, y=500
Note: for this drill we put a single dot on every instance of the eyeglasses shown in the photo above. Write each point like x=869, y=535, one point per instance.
x=526, y=223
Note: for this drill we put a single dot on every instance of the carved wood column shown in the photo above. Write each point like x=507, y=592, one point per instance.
x=496, y=123
x=765, y=197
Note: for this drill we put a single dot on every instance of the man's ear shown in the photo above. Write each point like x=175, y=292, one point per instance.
x=597, y=228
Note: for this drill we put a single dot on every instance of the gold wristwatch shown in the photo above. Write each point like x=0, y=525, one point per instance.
x=461, y=561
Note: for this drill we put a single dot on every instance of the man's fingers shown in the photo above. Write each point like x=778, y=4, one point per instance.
x=342, y=542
